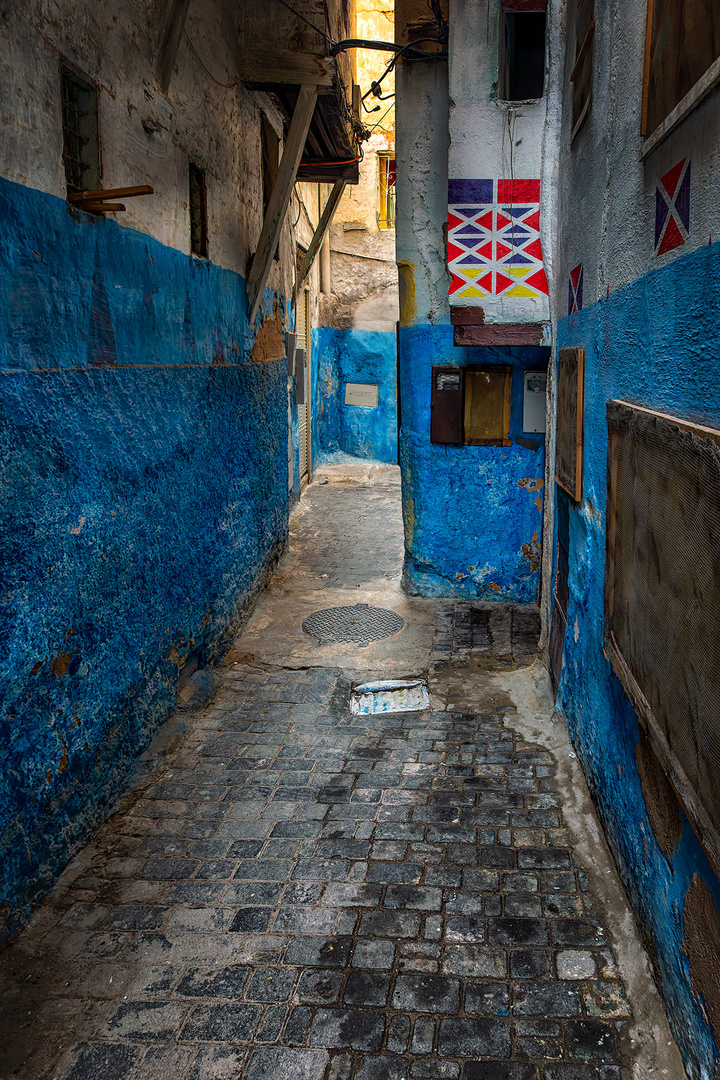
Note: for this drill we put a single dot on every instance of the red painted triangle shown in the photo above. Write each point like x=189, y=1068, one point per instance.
x=486, y=283
x=456, y=283
x=502, y=282
x=533, y=222
x=485, y=251
x=485, y=221
x=454, y=251
x=502, y=221
x=534, y=249
x=453, y=221
x=672, y=237
x=575, y=275
x=502, y=249
x=537, y=281
x=670, y=180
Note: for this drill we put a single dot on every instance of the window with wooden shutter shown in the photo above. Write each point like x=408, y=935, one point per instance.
x=569, y=432
x=682, y=54
x=582, y=73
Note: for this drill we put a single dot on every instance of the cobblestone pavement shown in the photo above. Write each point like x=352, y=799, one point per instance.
x=294, y=892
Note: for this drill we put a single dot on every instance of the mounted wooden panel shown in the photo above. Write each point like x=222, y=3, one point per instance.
x=446, y=405
x=487, y=406
x=502, y=334
x=570, y=406
x=662, y=596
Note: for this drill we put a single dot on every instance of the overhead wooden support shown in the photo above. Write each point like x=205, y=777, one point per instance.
x=320, y=233
x=169, y=43
x=501, y=334
x=280, y=197
x=281, y=67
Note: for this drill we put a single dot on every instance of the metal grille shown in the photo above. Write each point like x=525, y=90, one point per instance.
x=359, y=623
x=662, y=597
x=81, y=149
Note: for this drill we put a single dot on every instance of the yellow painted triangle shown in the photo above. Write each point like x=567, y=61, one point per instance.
x=472, y=291
x=516, y=272
x=520, y=290
x=471, y=275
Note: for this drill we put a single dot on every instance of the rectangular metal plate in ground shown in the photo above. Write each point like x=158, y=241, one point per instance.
x=570, y=394
x=662, y=595
x=389, y=697
x=364, y=395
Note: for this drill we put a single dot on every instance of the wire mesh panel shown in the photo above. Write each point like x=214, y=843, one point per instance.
x=662, y=595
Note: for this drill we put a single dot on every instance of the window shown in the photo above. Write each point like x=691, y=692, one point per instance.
x=662, y=595
x=81, y=146
x=198, y=213
x=386, y=191
x=470, y=406
x=522, y=50
x=570, y=422
x=682, y=42
x=582, y=73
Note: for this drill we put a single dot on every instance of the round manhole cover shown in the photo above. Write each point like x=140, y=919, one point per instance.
x=359, y=623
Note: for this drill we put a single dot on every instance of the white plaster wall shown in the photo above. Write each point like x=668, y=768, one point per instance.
x=492, y=140
x=607, y=210
x=146, y=137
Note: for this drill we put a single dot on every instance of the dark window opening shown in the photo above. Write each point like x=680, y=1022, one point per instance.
x=682, y=42
x=522, y=66
x=198, y=213
x=81, y=145
x=270, y=161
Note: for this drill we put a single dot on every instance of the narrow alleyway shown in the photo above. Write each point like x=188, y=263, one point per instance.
x=292, y=891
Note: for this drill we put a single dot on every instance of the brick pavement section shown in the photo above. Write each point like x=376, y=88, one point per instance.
x=306, y=895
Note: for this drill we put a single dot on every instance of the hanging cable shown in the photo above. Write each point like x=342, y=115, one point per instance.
x=382, y=117
x=317, y=29
x=198, y=57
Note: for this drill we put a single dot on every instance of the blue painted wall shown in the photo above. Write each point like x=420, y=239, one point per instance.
x=660, y=354
x=145, y=493
x=361, y=356
x=473, y=514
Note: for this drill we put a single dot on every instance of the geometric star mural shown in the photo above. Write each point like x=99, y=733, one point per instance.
x=494, y=244
x=672, y=208
x=575, y=290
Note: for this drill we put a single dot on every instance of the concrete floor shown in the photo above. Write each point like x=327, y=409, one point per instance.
x=292, y=890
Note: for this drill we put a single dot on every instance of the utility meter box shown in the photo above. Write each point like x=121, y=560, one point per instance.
x=534, y=390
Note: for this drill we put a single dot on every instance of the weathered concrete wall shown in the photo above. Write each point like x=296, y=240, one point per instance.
x=355, y=356
x=648, y=323
x=144, y=425
x=473, y=514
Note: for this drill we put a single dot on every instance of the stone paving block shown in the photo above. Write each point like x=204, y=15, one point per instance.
x=547, y=999
x=416, y=897
x=366, y=988
x=226, y=983
x=474, y=1038
x=147, y=1021
x=271, y=1063
x=317, y=986
x=426, y=993
x=273, y=984
x=500, y=1070
x=474, y=960
x=332, y=952
x=217, y=1063
x=390, y=924
x=221, y=1023
x=103, y=1061
x=359, y=1029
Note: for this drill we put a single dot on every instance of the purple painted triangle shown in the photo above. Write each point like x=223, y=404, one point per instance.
x=682, y=200
x=471, y=260
x=516, y=211
x=470, y=230
x=518, y=259
x=661, y=213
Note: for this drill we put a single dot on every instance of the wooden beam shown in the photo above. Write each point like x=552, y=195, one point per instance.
x=169, y=43
x=280, y=67
x=280, y=197
x=320, y=233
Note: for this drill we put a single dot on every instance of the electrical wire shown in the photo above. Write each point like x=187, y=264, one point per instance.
x=317, y=29
x=198, y=57
x=392, y=106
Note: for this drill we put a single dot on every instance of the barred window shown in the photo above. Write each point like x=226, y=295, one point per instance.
x=81, y=145
x=198, y=212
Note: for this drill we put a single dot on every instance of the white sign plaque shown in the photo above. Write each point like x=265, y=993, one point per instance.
x=363, y=394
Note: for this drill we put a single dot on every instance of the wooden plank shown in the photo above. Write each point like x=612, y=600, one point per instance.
x=280, y=197
x=320, y=233
x=169, y=43
x=467, y=316
x=265, y=68
x=646, y=68
x=499, y=334
x=110, y=193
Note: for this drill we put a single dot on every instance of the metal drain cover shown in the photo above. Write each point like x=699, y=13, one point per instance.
x=359, y=623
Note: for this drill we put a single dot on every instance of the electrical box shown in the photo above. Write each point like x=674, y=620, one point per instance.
x=446, y=405
x=534, y=390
